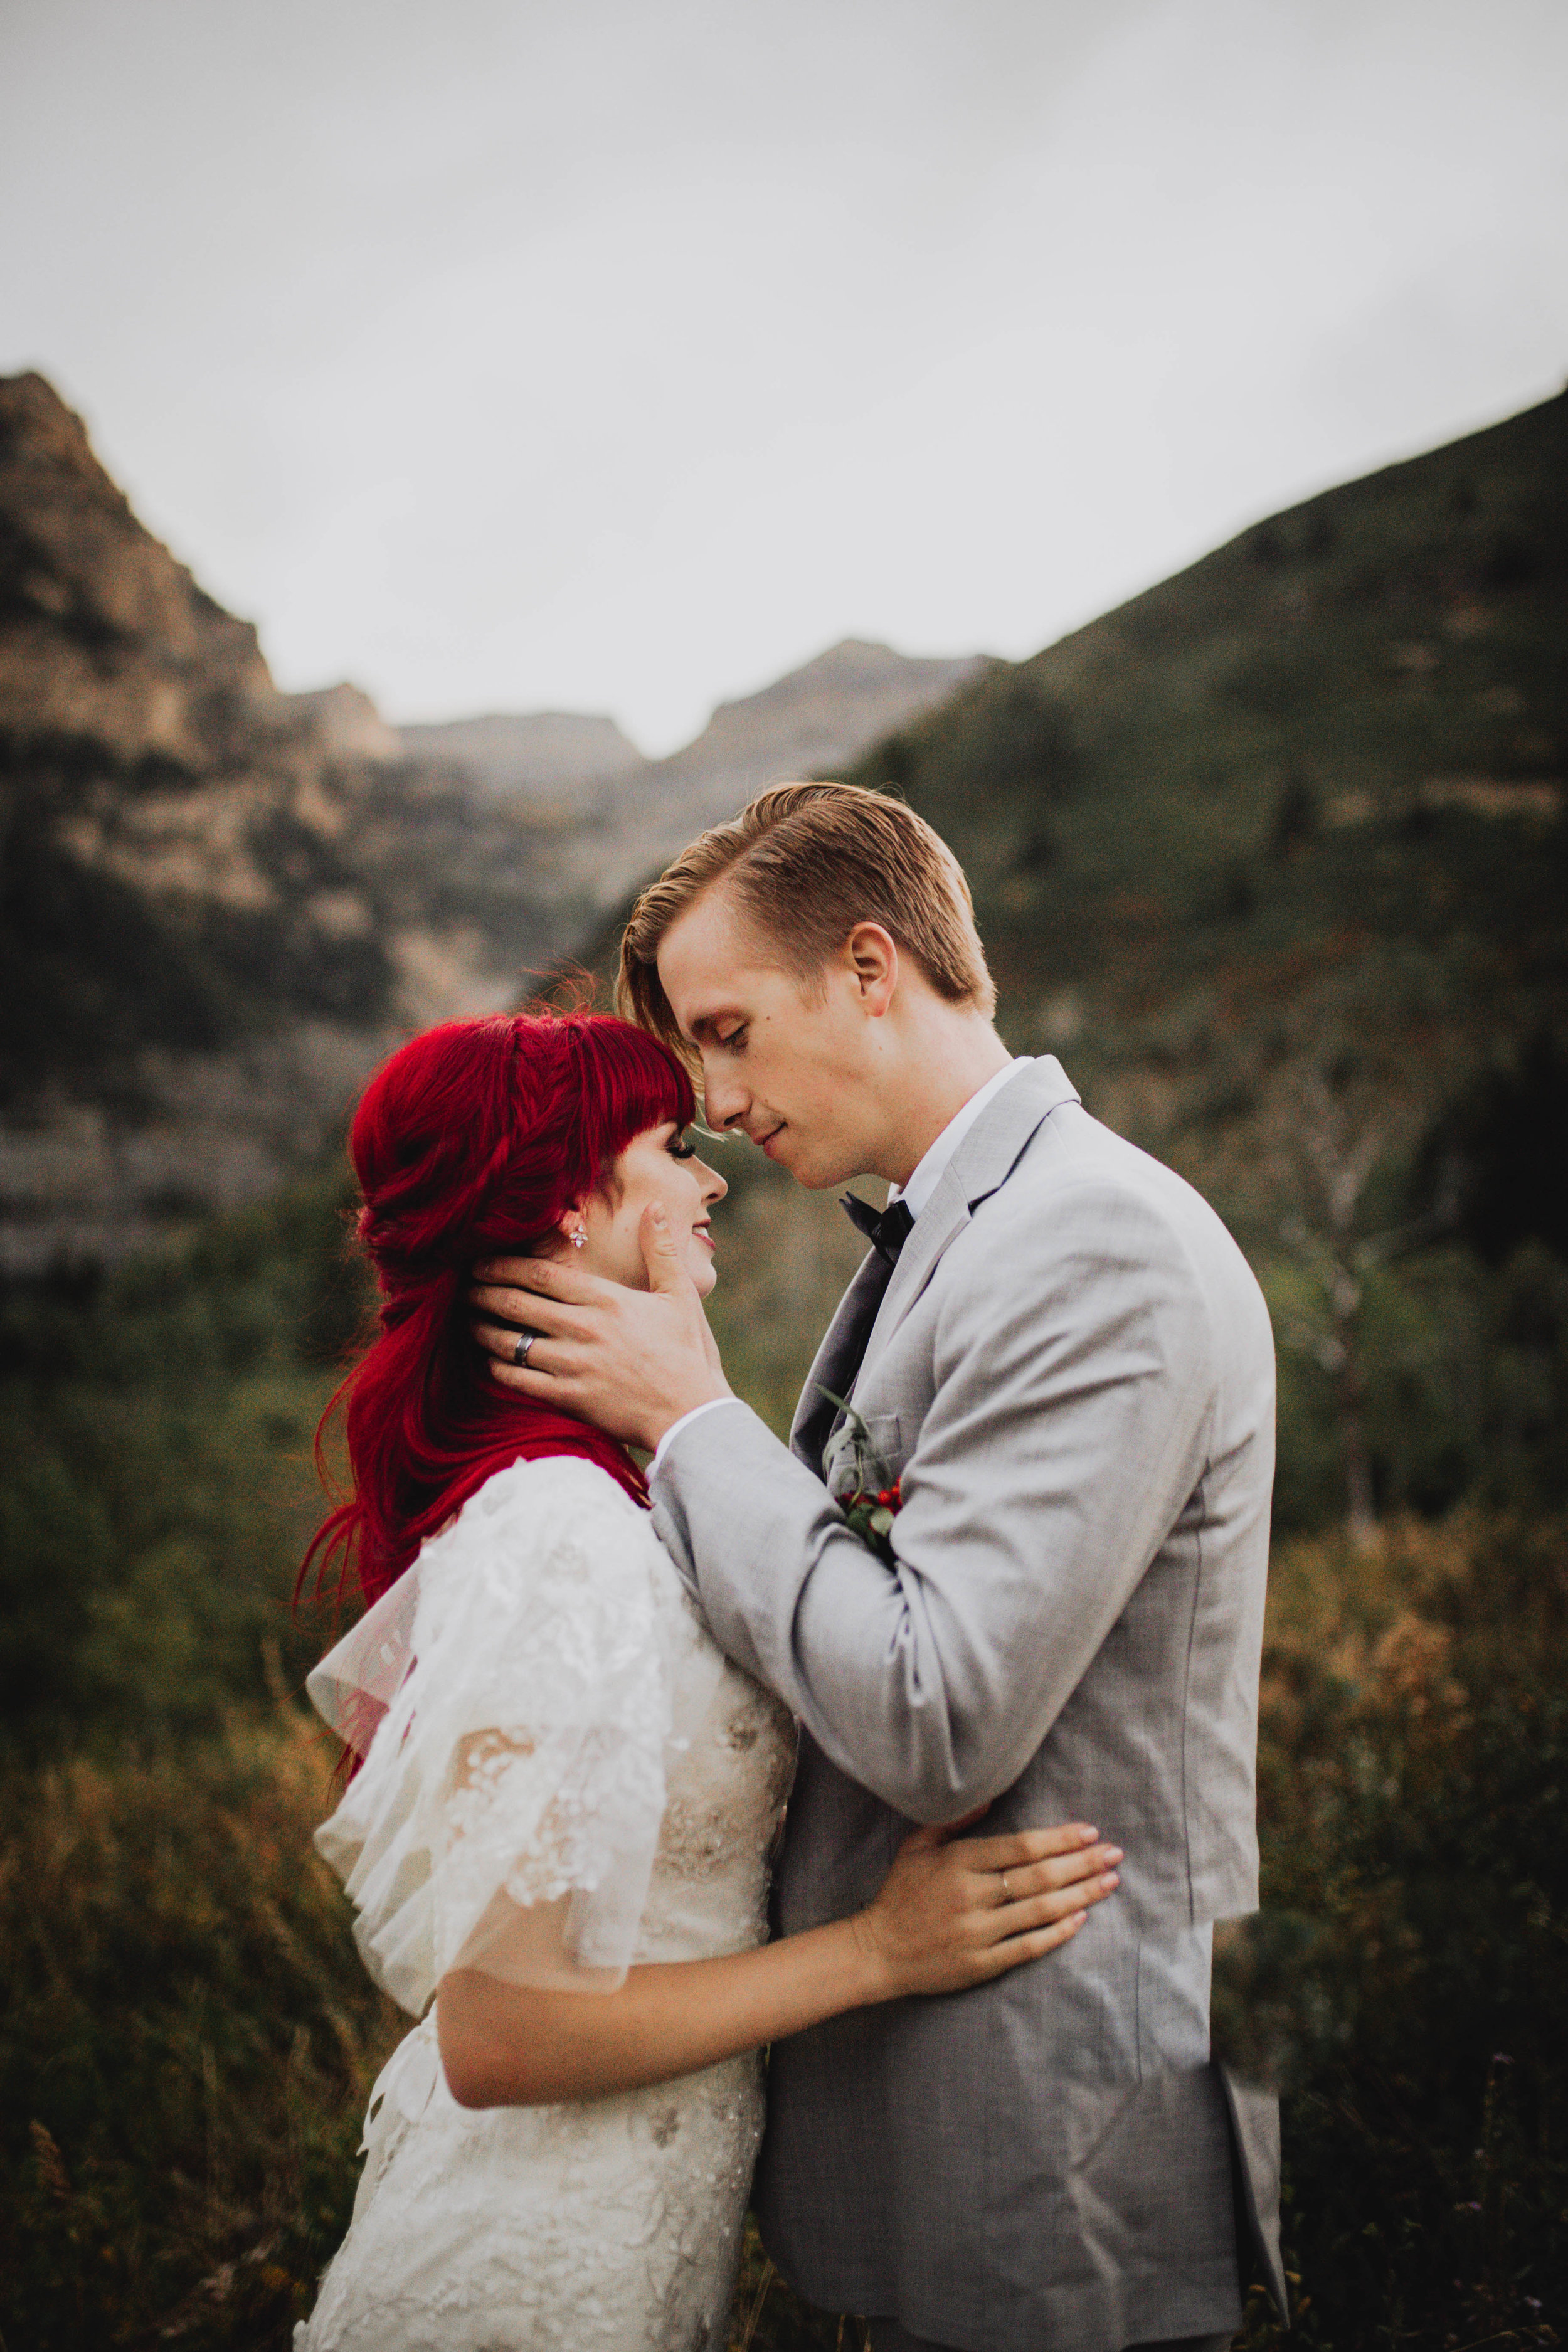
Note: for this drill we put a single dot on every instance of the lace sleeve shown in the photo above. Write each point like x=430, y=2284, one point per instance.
x=508, y=1808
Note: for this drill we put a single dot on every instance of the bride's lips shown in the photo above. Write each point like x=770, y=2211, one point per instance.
x=702, y=1234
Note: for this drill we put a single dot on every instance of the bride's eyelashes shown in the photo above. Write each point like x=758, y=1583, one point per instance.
x=679, y=1147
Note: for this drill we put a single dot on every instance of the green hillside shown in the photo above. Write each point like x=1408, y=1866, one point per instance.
x=1276, y=857
x=1324, y=767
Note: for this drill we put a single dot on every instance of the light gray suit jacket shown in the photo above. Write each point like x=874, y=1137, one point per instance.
x=1072, y=1370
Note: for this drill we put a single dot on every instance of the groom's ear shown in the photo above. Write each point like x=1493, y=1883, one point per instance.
x=872, y=956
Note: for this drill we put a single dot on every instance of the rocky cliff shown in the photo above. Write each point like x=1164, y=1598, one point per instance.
x=219, y=903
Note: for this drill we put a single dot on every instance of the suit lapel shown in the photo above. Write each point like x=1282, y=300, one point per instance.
x=837, y=1360
x=983, y=1160
x=981, y=1166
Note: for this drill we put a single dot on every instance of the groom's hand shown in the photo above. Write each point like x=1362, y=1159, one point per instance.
x=631, y=1361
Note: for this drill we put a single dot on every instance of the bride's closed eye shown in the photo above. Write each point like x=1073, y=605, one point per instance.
x=680, y=1148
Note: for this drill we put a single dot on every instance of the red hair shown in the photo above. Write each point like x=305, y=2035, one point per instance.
x=472, y=1140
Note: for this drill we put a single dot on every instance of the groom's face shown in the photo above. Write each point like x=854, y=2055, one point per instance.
x=792, y=1065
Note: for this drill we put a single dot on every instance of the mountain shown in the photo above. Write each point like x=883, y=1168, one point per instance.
x=1275, y=856
x=348, y=723
x=813, y=721
x=541, y=755
x=810, y=722
x=220, y=903
x=618, y=816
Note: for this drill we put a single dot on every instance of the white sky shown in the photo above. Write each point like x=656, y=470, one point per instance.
x=619, y=354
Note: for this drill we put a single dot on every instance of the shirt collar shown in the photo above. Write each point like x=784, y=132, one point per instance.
x=927, y=1174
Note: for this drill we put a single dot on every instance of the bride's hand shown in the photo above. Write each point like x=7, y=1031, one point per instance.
x=955, y=1911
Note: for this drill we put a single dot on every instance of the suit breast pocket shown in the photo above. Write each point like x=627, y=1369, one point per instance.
x=879, y=1461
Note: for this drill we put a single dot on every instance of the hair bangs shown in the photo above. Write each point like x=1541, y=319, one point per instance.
x=640, y=1085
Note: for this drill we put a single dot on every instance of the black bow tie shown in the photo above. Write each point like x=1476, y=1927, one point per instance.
x=887, y=1231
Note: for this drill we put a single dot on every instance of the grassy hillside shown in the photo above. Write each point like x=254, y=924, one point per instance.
x=1277, y=858
x=1303, y=802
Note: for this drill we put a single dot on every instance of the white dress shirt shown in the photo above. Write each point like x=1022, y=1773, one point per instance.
x=922, y=1183
x=927, y=1170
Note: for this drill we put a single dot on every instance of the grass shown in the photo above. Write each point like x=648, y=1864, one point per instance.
x=1405, y=1979
x=187, y=2043
x=187, y=2036
x=157, y=1430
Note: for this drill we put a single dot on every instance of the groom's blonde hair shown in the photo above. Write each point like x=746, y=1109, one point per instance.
x=808, y=862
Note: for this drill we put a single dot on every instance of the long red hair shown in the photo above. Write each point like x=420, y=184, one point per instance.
x=470, y=1142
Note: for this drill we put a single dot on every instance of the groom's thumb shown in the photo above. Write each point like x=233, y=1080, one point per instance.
x=662, y=1259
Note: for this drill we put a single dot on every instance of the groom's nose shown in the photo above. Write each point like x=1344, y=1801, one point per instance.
x=724, y=1100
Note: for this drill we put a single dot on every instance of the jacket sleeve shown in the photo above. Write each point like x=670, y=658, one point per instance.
x=1075, y=1390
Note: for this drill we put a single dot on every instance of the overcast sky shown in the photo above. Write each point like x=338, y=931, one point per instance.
x=619, y=354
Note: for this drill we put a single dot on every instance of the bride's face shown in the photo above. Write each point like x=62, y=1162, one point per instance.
x=659, y=1165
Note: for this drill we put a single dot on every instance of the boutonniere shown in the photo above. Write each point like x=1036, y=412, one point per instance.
x=870, y=1504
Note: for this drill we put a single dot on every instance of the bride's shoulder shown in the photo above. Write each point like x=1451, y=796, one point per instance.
x=537, y=1524
x=548, y=1484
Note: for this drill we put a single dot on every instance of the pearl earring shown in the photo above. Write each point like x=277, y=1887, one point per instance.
x=579, y=1239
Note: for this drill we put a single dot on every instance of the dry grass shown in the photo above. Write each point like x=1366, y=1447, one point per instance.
x=187, y=2044
x=186, y=2048
x=1407, y=1979
x=188, y=2037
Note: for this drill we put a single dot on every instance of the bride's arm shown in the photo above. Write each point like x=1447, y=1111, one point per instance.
x=942, y=1922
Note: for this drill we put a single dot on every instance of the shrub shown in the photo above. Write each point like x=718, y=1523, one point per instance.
x=1407, y=1977
x=156, y=1428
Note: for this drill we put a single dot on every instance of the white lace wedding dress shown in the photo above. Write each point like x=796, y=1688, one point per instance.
x=566, y=1776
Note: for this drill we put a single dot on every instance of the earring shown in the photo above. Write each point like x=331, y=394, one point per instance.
x=579, y=1239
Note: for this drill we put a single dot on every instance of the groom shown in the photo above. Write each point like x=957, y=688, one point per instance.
x=1055, y=1346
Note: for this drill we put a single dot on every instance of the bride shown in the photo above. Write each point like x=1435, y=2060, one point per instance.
x=563, y=1796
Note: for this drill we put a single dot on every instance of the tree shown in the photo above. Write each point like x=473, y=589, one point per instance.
x=1341, y=1134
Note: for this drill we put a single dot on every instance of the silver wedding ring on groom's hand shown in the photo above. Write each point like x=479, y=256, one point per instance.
x=525, y=1340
